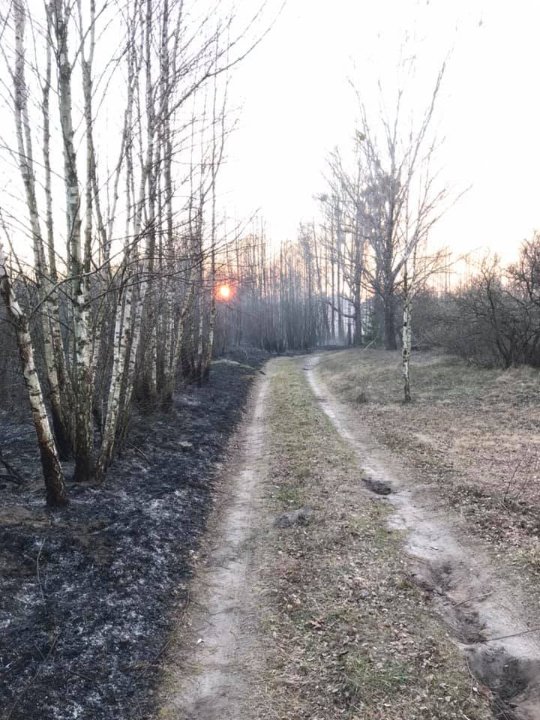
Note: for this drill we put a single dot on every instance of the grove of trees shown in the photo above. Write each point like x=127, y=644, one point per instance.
x=114, y=128
x=118, y=276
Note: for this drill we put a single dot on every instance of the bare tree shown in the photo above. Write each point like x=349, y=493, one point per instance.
x=119, y=251
x=50, y=462
x=402, y=198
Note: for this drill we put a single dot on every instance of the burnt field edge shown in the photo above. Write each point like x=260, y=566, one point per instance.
x=86, y=595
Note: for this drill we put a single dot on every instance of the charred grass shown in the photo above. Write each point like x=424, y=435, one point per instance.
x=475, y=432
x=87, y=595
x=349, y=635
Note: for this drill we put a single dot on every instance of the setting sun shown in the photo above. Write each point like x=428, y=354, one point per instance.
x=223, y=292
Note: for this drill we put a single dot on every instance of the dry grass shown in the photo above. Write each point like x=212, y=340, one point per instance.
x=474, y=431
x=348, y=634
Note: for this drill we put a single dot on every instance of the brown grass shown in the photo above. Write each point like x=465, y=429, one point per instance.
x=474, y=431
x=348, y=634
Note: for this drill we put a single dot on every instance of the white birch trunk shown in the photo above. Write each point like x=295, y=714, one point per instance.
x=124, y=310
x=121, y=343
x=146, y=180
x=177, y=340
x=406, y=337
x=46, y=297
x=52, y=471
x=83, y=378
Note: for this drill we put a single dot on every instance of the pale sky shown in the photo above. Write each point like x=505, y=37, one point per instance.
x=297, y=105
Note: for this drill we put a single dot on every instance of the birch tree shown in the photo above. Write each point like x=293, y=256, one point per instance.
x=403, y=198
x=78, y=254
x=44, y=264
x=406, y=337
x=55, y=489
x=117, y=255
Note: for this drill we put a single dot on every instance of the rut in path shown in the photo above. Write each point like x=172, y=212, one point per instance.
x=468, y=589
x=213, y=684
x=488, y=616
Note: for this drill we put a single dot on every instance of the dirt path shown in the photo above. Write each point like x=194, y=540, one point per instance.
x=220, y=642
x=478, y=598
x=216, y=667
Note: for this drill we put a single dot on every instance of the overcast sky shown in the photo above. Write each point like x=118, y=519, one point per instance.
x=297, y=105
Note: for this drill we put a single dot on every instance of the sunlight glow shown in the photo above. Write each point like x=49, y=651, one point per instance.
x=224, y=292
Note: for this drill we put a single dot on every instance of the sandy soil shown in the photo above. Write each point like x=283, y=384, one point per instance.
x=215, y=665
x=215, y=650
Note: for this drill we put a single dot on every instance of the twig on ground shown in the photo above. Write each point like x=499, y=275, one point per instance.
x=513, y=635
x=31, y=681
x=11, y=478
x=483, y=596
x=38, y=573
x=139, y=451
x=12, y=475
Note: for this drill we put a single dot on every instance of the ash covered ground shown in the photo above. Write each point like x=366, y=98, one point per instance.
x=86, y=594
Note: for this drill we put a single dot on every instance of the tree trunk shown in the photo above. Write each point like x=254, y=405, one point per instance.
x=390, y=341
x=83, y=376
x=26, y=166
x=123, y=325
x=52, y=470
x=407, y=340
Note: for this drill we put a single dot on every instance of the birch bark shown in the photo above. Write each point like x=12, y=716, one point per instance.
x=406, y=337
x=77, y=261
x=124, y=311
x=46, y=297
x=146, y=200
x=52, y=471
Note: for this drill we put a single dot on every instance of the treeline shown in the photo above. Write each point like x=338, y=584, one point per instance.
x=301, y=297
x=352, y=276
x=276, y=302
x=493, y=319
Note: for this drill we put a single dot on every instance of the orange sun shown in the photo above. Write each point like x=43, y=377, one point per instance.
x=224, y=292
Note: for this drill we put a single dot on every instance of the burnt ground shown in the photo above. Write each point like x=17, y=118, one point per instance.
x=86, y=594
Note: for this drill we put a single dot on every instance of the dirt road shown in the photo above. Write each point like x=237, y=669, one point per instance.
x=483, y=601
x=217, y=644
x=423, y=621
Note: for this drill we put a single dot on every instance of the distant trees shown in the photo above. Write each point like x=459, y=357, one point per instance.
x=345, y=236
x=276, y=302
x=346, y=277
x=494, y=318
x=380, y=206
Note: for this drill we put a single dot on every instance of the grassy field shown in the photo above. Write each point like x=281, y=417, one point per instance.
x=474, y=431
x=348, y=634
